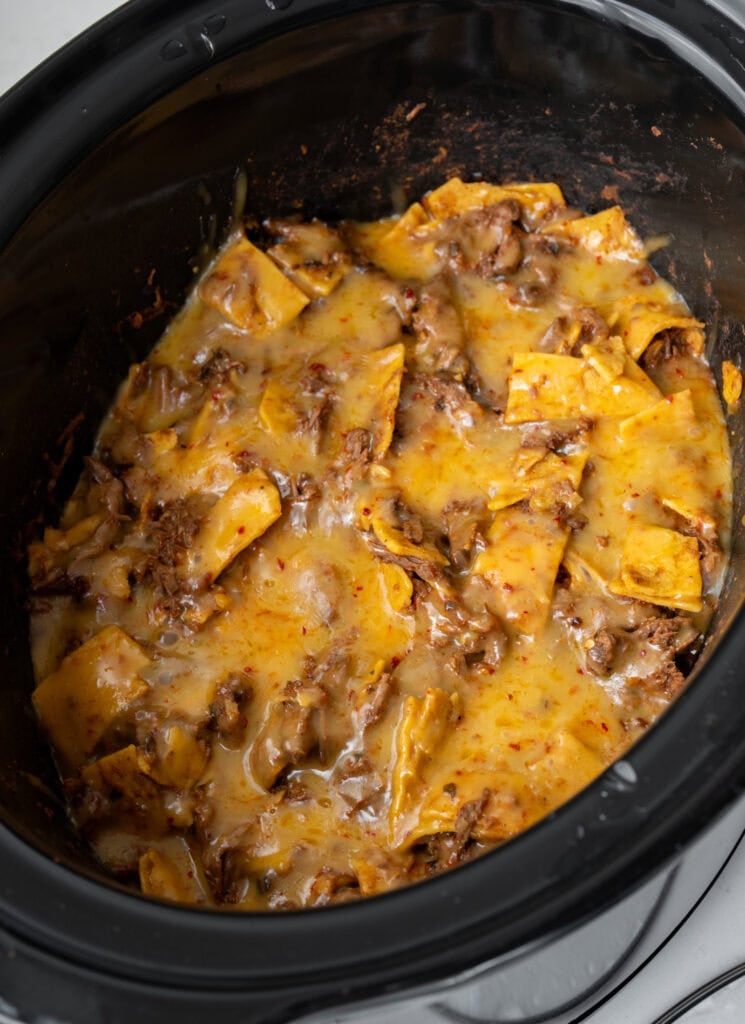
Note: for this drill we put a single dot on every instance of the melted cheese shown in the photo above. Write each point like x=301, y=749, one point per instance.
x=388, y=550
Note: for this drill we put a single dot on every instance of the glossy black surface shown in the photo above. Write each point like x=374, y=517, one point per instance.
x=512, y=90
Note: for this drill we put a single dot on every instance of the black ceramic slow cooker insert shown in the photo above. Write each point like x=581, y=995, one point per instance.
x=119, y=156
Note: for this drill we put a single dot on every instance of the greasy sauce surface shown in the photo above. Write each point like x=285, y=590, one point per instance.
x=402, y=534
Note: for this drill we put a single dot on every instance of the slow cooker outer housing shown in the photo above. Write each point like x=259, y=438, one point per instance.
x=119, y=157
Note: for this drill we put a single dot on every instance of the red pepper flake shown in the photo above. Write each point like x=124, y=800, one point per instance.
x=343, y=319
x=360, y=587
x=515, y=746
x=604, y=727
x=241, y=529
x=366, y=512
x=634, y=494
x=304, y=631
x=317, y=367
x=580, y=671
x=508, y=587
x=523, y=657
x=410, y=294
x=280, y=563
x=669, y=399
x=216, y=396
x=395, y=661
x=510, y=697
x=248, y=670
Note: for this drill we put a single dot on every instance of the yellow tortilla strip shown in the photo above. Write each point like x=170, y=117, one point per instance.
x=523, y=553
x=537, y=476
x=456, y=197
x=91, y=687
x=250, y=290
x=422, y=728
x=547, y=387
x=312, y=255
x=246, y=510
x=408, y=248
x=604, y=234
x=368, y=399
x=660, y=566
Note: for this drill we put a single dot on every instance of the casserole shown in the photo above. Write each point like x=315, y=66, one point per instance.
x=489, y=73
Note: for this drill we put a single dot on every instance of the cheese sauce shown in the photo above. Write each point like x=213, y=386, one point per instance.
x=401, y=535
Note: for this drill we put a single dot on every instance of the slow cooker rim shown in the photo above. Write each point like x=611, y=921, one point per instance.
x=424, y=914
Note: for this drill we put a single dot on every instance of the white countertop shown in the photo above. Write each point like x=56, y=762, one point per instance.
x=713, y=940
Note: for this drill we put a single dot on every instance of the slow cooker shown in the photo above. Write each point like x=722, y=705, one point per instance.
x=120, y=158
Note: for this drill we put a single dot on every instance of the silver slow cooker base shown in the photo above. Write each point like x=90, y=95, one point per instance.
x=580, y=975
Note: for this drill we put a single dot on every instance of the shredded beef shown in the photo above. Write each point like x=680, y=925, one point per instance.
x=216, y=371
x=462, y=520
x=469, y=237
x=331, y=886
x=420, y=567
x=290, y=733
x=174, y=529
x=228, y=709
x=667, y=681
x=446, y=849
x=440, y=338
x=505, y=259
x=668, y=343
x=451, y=396
x=378, y=697
x=356, y=455
x=670, y=634
x=544, y=435
x=600, y=657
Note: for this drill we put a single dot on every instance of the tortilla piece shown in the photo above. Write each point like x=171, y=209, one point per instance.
x=78, y=702
x=250, y=290
x=606, y=234
x=547, y=387
x=522, y=557
x=246, y=510
x=660, y=566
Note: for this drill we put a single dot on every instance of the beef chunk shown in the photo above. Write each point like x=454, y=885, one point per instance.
x=174, y=528
x=529, y=293
x=420, y=567
x=228, y=709
x=667, y=681
x=600, y=656
x=472, y=639
x=592, y=328
x=440, y=338
x=471, y=236
x=446, y=849
x=332, y=886
x=375, y=698
x=216, y=371
x=356, y=455
x=665, y=345
x=546, y=435
x=450, y=395
x=462, y=520
x=671, y=635
x=506, y=258
x=291, y=732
